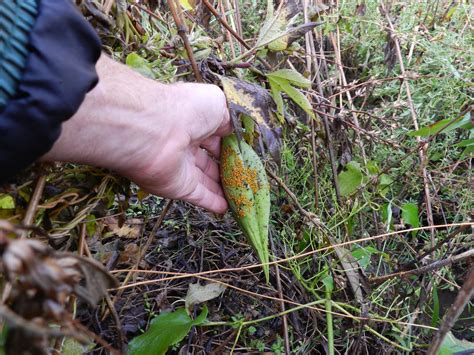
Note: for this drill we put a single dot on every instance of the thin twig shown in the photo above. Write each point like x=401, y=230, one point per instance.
x=227, y=32
x=110, y=305
x=328, y=137
x=423, y=147
x=431, y=267
x=151, y=238
x=281, y=301
x=182, y=32
x=440, y=243
x=33, y=205
x=231, y=30
x=309, y=305
x=16, y=321
x=238, y=22
x=349, y=266
x=342, y=76
x=310, y=216
x=309, y=52
x=294, y=257
x=464, y=296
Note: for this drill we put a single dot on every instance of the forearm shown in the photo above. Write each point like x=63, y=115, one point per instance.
x=116, y=113
x=47, y=65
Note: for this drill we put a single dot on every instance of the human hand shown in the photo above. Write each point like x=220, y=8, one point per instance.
x=159, y=136
x=183, y=168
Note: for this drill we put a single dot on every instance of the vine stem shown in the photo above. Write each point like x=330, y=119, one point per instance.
x=328, y=306
x=267, y=318
x=182, y=32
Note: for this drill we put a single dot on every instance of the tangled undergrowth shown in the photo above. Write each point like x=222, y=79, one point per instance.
x=372, y=199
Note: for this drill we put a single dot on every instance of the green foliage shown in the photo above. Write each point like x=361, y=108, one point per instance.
x=73, y=347
x=350, y=179
x=6, y=202
x=140, y=64
x=451, y=345
x=445, y=126
x=328, y=282
x=165, y=330
x=185, y=4
x=283, y=81
x=278, y=347
x=435, y=315
x=436, y=48
x=410, y=215
x=363, y=255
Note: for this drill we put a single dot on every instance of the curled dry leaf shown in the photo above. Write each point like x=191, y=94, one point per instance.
x=279, y=30
x=42, y=281
x=198, y=293
x=130, y=229
x=253, y=100
x=30, y=264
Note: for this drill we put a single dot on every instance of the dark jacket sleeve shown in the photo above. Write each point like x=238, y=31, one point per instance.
x=45, y=72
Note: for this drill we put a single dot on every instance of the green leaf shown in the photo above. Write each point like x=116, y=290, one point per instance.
x=451, y=345
x=73, y=347
x=276, y=95
x=362, y=255
x=464, y=122
x=465, y=143
x=372, y=167
x=247, y=190
x=186, y=5
x=350, y=179
x=7, y=202
x=291, y=76
x=449, y=14
x=165, y=330
x=468, y=143
x=249, y=126
x=386, y=213
x=91, y=224
x=469, y=149
x=140, y=65
x=301, y=100
x=328, y=283
x=435, y=315
x=410, y=215
x=384, y=182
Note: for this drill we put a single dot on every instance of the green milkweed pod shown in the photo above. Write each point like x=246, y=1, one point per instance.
x=247, y=191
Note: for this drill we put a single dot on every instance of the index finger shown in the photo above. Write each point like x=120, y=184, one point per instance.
x=225, y=127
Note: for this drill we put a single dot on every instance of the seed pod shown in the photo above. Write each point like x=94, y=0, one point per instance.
x=248, y=193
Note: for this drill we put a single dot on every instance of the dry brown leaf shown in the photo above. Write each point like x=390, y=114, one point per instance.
x=253, y=100
x=198, y=293
x=130, y=229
